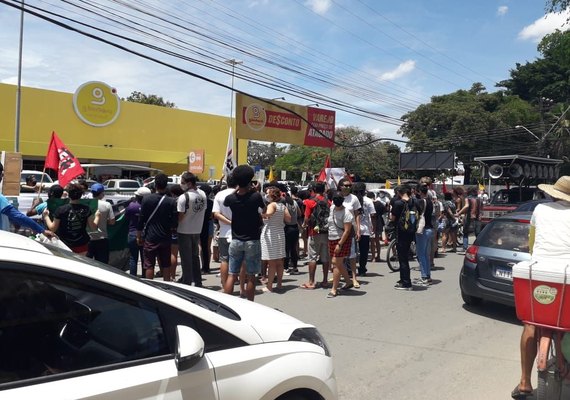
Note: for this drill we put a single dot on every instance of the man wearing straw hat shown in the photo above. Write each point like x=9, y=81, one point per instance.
x=549, y=239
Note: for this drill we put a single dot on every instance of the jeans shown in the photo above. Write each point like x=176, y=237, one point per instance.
x=190, y=258
x=248, y=251
x=291, y=244
x=424, y=247
x=204, y=239
x=403, y=244
x=470, y=225
x=363, y=249
x=135, y=253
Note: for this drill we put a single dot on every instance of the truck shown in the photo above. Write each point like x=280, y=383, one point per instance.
x=518, y=177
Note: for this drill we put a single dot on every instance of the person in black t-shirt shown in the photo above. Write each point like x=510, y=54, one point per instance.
x=424, y=240
x=403, y=239
x=246, y=204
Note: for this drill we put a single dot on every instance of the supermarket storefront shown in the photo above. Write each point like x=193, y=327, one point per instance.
x=100, y=128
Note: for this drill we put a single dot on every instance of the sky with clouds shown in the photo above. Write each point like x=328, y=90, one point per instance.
x=377, y=59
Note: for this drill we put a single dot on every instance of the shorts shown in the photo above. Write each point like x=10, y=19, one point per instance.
x=156, y=251
x=223, y=249
x=248, y=251
x=344, y=250
x=318, y=248
x=80, y=249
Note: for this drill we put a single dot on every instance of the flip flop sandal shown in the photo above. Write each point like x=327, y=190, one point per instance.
x=520, y=394
x=331, y=295
x=307, y=286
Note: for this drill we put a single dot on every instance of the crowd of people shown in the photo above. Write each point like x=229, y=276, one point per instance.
x=258, y=233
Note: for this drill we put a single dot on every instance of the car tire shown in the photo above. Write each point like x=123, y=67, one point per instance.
x=471, y=300
x=299, y=395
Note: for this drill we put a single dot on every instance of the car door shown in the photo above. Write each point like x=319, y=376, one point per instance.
x=68, y=337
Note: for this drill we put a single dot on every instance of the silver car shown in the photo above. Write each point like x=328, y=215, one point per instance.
x=487, y=266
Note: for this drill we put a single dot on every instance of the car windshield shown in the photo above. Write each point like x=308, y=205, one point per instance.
x=505, y=234
x=129, y=185
x=514, y=196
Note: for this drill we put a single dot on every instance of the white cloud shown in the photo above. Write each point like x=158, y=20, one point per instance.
x=543, y=26
x=401, y=70
x=319, y=6
x=502, y=10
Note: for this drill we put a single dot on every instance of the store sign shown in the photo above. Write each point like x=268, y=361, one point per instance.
x=196, y=161
x=96, y=103
x=284, y=122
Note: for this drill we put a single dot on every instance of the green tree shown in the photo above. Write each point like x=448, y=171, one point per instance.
x=557, y=6
x=152, y=99
x=263, y=154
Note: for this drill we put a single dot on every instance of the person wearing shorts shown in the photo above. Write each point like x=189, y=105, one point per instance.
x=245, y=204
x=223, y=215
x=340, y=227
x=318, y=241
x=157, y=220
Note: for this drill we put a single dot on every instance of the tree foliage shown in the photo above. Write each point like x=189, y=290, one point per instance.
x=557, y=6
x=263, y=154
x=375, y=162
x=152, y=99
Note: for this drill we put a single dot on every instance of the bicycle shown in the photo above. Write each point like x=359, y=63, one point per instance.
x=392, y=255
x=552, y=366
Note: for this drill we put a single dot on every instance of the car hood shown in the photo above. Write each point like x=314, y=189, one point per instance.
x=270, y=324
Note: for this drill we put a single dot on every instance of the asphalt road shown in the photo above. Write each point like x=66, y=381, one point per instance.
x=425, y=344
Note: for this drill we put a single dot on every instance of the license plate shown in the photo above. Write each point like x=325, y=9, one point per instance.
x=504, y=273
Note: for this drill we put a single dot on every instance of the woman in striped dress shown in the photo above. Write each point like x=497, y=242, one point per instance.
x=273, y=237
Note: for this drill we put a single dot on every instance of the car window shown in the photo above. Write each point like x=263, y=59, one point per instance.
x=110, y=184
x=50, y=326
x=505, y=234
x=129, y=185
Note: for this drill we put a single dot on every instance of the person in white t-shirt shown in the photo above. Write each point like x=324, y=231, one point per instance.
x=191, y=207
x=549, y=240
x=224, y=216
x=352, y=204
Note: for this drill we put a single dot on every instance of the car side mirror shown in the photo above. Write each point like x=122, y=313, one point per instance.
x=189, y=347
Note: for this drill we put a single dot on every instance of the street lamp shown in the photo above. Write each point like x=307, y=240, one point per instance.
x=529, y=131
x=233, y=62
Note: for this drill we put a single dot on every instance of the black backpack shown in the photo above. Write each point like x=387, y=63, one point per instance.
x=408, y=221
x=319, y=220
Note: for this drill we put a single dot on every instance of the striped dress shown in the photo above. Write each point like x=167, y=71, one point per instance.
x=273, y=235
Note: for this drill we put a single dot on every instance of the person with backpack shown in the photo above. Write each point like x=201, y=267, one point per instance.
x=317, y=210
x=404, y=219
x=191, y=207
x=451, y=224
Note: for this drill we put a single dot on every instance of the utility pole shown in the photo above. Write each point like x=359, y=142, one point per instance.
x=233, y=62
x=19, y=86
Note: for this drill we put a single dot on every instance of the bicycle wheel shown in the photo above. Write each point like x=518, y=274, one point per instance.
x=392, y=257
x=549, y=382
x=459, y=236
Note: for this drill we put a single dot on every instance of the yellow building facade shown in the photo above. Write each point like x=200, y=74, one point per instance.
x=141, y=134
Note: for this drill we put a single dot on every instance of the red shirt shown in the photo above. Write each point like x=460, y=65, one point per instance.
x=310, y=204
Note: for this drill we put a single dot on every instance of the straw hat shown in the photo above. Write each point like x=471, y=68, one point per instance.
x=560, y=190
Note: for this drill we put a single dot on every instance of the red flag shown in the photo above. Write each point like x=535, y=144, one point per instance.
x=63, y=161
x=444, y=186
x=323, y=175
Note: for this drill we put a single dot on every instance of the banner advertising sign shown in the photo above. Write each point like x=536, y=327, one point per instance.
x=258, y=120
x=196, y=161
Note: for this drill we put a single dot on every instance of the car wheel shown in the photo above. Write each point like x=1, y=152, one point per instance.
x=471, y=300
x=300, y=395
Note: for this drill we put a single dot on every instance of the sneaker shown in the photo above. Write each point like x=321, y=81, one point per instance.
x=401, y=286
x=287, y=272
x=423, y=282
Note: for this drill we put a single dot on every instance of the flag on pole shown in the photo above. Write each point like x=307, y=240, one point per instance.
x=270, y=178
x=481, y=187
x=388, y=184
x=399, y=183
x=444, y=186
x=62, y=160
x=325, y=172
x=230, y=161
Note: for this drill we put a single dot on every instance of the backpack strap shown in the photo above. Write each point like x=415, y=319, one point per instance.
x=187, y=205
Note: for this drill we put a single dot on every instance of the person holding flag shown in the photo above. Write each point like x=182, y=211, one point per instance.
x=62, y=160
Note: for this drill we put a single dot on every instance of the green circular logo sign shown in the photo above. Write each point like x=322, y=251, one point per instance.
x=96, y=103
x=545, y=294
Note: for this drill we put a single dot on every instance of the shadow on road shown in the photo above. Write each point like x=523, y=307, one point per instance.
x=496, y=311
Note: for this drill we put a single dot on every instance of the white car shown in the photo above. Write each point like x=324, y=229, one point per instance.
x=73, y=328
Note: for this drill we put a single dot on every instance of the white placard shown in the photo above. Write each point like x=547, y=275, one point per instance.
x=283, y=175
